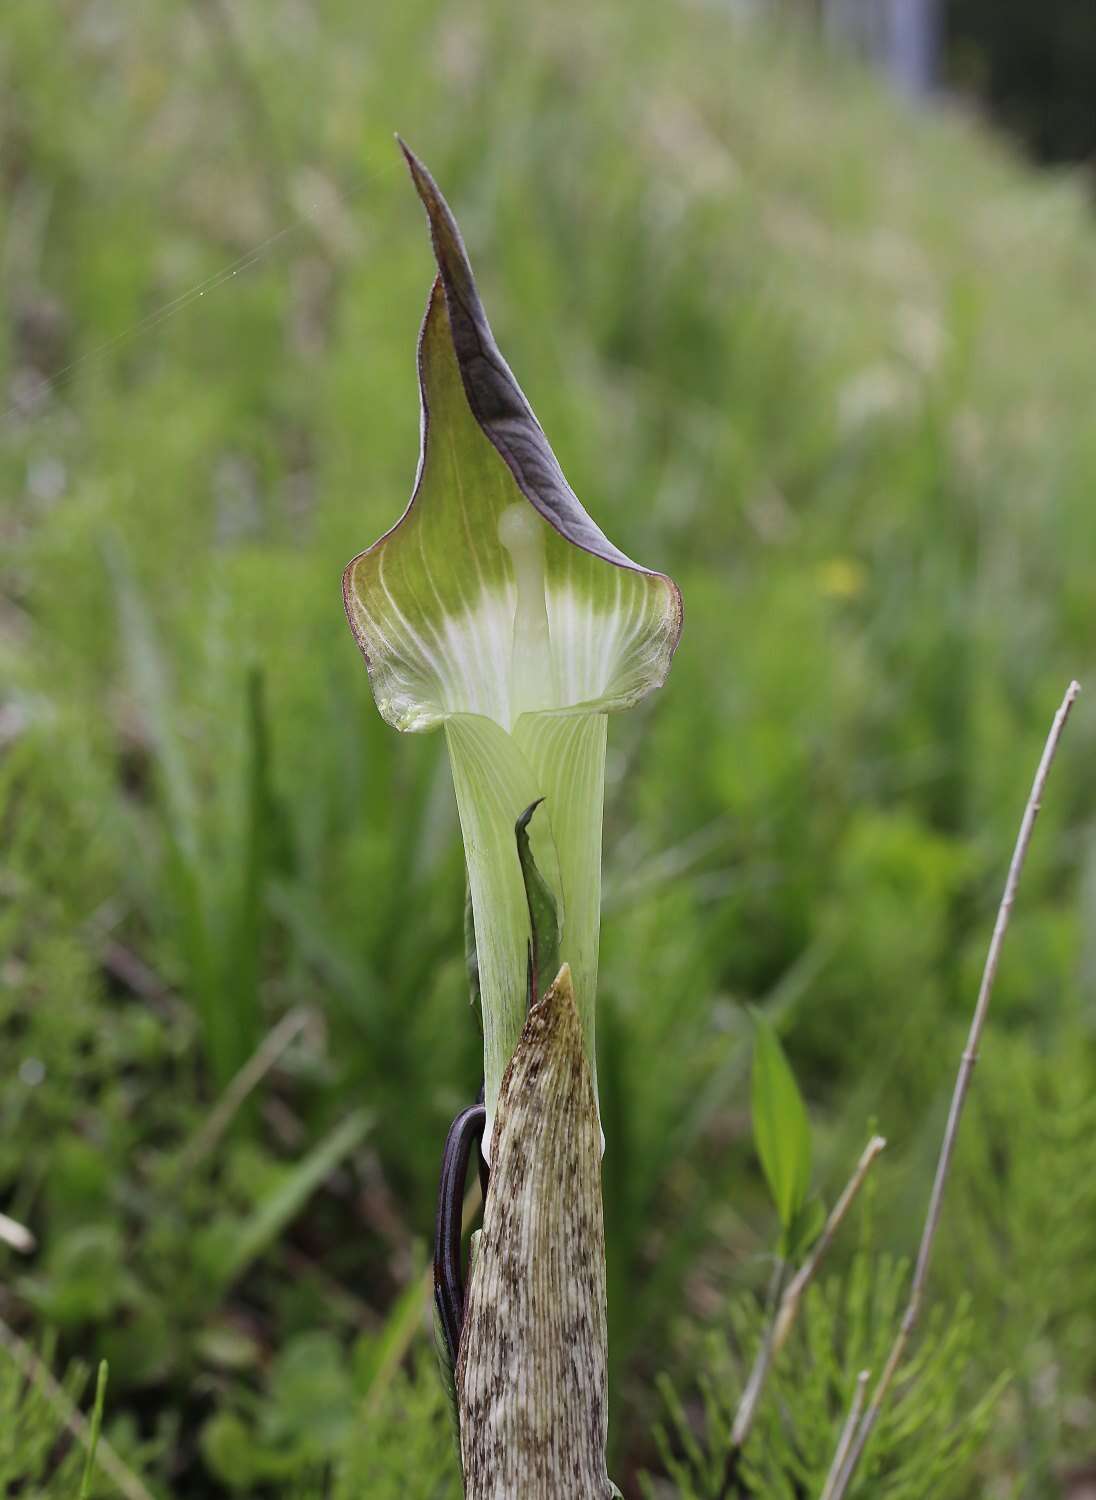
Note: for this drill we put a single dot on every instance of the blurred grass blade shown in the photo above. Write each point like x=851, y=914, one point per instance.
x=220, y=900
x=387, y=1350
x=96, y=1426
x=282, y=1206
x=152, y=688
x=781, y=1128
x=265, y=842
x=448, y=1374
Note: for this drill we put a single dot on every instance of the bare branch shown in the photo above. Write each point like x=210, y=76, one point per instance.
x=958, y=1098
x=751, y=1396
x=789, y=1303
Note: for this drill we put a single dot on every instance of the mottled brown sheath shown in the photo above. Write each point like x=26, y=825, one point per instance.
x=531, y=1376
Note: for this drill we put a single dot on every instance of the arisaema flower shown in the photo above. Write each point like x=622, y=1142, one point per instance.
x=496, y=608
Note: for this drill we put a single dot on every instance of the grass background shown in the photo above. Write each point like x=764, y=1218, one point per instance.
x=825, y=360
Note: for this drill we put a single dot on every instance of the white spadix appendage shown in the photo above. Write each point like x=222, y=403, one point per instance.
x=532, y=686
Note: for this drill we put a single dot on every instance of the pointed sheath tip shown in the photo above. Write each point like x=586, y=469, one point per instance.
x=425, y=185
x=562, y=988
x=408, y=155
x=449, y=251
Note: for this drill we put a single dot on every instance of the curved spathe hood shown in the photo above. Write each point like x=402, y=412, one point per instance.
x=497, y=608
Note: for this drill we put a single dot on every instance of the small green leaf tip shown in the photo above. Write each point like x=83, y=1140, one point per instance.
x=496, y=608
x=781, y=1131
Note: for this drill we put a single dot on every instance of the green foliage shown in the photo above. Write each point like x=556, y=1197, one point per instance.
x=40, y=1456
x=322, y=1433
x=405, y=1446
x=29, y=1429
x=284, y=1202
x=928, y=1441
x=221, y=901
x=1026, y=1170
x=95, y=1431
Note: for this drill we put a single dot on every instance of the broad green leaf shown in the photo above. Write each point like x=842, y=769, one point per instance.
x=496, y=607
x=781, y=1129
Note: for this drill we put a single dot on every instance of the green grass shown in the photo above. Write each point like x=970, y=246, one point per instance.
x=826, y=361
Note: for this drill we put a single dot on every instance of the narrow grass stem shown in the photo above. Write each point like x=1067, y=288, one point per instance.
x=751, y=1396
x=844, y=1442
x=962, y=1085
x=258, y=1065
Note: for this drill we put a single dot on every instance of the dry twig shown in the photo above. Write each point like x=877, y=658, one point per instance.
x=793, y=1294
x=962, y=1084
x=844, y=1442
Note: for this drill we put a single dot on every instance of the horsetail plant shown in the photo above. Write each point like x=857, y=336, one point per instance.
x=497, y=609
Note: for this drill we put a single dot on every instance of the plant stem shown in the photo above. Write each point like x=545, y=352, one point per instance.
x=958, y=1099
x=793, y=1294
x=747, y=1407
